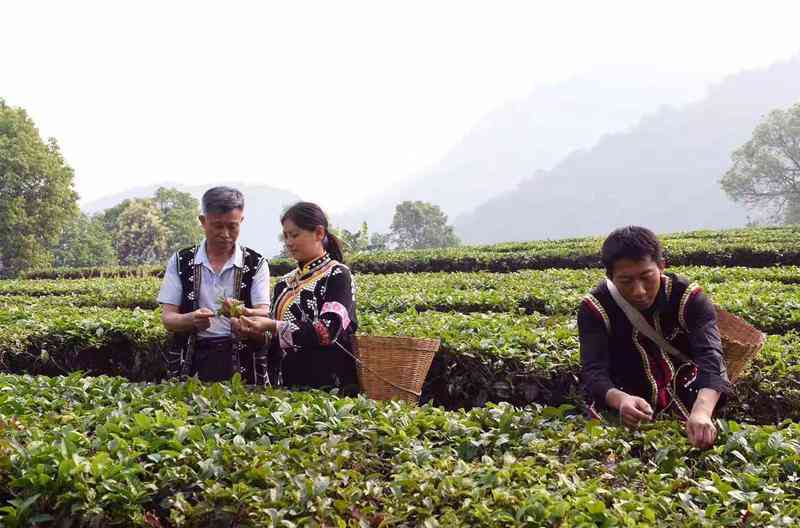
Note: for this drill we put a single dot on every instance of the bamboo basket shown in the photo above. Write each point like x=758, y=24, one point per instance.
x=740, y=342
x=393, y=368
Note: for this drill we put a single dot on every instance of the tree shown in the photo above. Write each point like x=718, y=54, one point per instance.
x=766, y=170
x=36, y=193
x=418, y=225
x=179, y=212
x=357, y=241
x=109, y=218
x=141, y=236
x=379, y=241
x=84, y=243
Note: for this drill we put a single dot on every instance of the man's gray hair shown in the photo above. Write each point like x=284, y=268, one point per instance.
x=221, y=200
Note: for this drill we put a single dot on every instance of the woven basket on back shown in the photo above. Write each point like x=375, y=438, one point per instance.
x=740, y=342
x=394, y=368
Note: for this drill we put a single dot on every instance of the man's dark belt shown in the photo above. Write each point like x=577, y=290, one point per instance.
x=214, y=342
x=215, y=358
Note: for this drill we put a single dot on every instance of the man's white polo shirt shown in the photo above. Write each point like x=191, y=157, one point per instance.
x=213, y=286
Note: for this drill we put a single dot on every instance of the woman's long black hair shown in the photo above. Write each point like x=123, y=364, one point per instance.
x=308, y=216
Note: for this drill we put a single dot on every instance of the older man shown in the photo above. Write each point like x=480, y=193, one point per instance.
x=198, y=280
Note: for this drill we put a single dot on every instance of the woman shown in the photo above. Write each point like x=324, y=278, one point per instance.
x=313, y=312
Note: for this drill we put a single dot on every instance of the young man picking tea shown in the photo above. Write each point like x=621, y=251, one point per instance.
x=649, y=340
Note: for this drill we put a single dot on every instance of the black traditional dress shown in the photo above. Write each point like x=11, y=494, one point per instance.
x=315, y=311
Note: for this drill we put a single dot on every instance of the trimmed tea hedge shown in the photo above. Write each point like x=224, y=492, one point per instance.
x=739, y=247
x=484, y=357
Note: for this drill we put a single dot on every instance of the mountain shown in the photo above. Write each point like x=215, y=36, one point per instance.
x=512, y=142
x=662, y=173
x=263, y=207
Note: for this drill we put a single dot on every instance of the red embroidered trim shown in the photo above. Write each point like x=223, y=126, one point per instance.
x=322, y=333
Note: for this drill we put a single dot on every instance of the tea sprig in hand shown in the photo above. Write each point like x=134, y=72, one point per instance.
x=230, y=308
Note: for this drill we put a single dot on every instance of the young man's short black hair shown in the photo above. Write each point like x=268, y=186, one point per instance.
x=631, y=242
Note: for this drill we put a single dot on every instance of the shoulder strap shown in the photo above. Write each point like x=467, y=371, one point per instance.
x=641, y=324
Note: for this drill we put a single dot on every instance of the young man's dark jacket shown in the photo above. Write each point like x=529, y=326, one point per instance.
x=615, y=355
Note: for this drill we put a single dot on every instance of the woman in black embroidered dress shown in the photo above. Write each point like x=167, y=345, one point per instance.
x=313, y=311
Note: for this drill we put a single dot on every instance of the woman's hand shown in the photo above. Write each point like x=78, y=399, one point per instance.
x=252, y=326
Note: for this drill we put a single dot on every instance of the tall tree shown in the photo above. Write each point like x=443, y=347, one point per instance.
x=766, y=170
x=84, y=243
x=418, y=225
x=109, y=218
x=141, y=236
x=177, y=224
x=357, y=240
x=179, y=212
x=379, y=241
x=36, y=193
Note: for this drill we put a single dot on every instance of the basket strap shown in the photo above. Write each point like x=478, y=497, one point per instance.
x=361, y=363
x=638, y=321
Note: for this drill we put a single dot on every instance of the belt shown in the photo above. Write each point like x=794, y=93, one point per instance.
x=214, y=342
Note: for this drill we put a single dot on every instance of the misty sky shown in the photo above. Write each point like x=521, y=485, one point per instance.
x=331, y=100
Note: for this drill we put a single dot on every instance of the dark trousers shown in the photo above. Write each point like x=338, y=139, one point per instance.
x=215, y=359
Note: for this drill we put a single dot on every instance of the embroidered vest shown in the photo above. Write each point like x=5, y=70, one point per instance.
x=634, y=358
x=179, y=360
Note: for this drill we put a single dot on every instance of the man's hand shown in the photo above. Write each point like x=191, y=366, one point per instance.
x=700, y=430
x=699, y=427
x=632, y=409
x=635, y=410
x=201, y=319
x=175, y=321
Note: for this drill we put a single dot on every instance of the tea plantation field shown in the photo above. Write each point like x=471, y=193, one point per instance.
x=90, y=436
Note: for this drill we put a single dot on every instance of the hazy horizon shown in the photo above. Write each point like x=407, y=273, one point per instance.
x=331, y=102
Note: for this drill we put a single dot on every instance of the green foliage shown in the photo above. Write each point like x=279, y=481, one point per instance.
x=379, y=241
x=735, y=247
x=84, y=243
x=179, y=212
x=104, y=452
x=753, y=248
x=152, y=270
x=83, y=451
x=357, y=241
x=36, y=194
x=766, y=169
x=148, y=230
x=505, y=336
x=420, y=225
x=141, y=236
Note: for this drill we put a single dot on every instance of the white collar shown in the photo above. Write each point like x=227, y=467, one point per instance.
x=237, y=259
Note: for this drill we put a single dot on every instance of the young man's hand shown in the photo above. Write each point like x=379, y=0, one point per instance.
x=700, y=430
x=635, y=410
x=699, y=427
x=632, y=409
